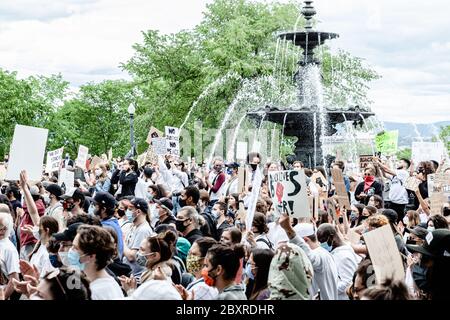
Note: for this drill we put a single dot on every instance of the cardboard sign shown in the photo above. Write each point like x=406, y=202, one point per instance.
x=386, y=259
x=256, y=187
x=331, y=209
x=288, y=192
x=412, y=183
x=173, y=140
x=95, y=161
x=153, y=133
x=54, y=159
x=150, y=156
x=159, y=146
x=27, y=152
x=430, y=183
x=82, y=156
x=353, y=237
x=341, y=191
x=440, y=192
x=241, y=150
x=387, y=142
x=425, y=151
x=243, y=179
x=314, y=205
x=364, y=161
x=66, y=179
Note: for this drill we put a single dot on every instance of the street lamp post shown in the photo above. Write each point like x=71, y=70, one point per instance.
x=131, y=111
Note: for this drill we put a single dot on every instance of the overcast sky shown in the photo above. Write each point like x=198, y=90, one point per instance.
x=406, y=41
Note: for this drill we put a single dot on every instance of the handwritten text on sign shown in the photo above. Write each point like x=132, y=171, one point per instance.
x=288, y=192
x=54, y=159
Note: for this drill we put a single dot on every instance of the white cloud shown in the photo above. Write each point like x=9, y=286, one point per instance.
x=407, y=42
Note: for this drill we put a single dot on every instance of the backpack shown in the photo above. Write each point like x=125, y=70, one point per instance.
x=266, y=241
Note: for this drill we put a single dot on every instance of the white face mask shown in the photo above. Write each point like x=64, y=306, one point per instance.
x=154, y=211
x=46, y=199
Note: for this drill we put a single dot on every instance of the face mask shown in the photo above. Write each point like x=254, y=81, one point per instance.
x=182, y=202
x=208, y=280
x=130, y=216
x=326, y=246
x=91, y=210
x=98, y=172
x=154, y=212
x=63, y=256
x=254, y=166
x=149, y=196
x=180, y=225
x=248, y=271
x=193, y=264
x=46, y=199
x=73, y=258
x=36, y=233
x=141, y=259
x=215, y=214
x=121, y=212
x=431, y=229
x=363, y=218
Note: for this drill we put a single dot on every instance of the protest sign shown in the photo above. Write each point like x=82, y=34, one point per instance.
x=82, y=156
x=412, y=183
x=386, y=259
x=440, y=192
x=54, y=159
x=153, y=133
x=256, y=187
x=256, y=146
x=425, y=151
x=66, y=179
x=430, y=183
x=314, y=205
x=159, y=146
x=241, y=150
x=173, y=140
x=2, y=172
x=288, y=192
x=95, y=161
x=387, y=142
x=331, y=209
x=27, y=152
x=341, y=191
x=243, y=177
x=364, y=161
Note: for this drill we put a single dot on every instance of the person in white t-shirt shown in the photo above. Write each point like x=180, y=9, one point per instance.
x=93, y=248
x=141, y=190
x=9, y=257
x=39, y=257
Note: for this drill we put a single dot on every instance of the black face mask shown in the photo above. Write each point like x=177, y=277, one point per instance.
x=182, y=202
x=446, y=212
x=411, y=242
x=180, y=225
x=254, y=166
x=121, y=212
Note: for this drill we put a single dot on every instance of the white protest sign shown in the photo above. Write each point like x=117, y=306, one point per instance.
x=153, y=133
x=173, y=140
x=27, y=152
x=241, y=150
x=425, y=151
x=54, y=159
x=66, y=179
x=383, y=251
x=430, y=183
x=288, y=192
x=82, y=156
x=256, y=187
x=159, y=146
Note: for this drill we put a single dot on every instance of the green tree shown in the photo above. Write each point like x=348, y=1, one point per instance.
x=404, y=153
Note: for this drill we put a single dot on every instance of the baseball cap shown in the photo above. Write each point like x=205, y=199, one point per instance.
x=436, y=244
x=54, y=189
x=418, y=231
x=391, y=215
x=232, y=165
x=140, y=203
x=165, y=203
x=68, y=234
x=105, y=199
x=304, y=229
x=34, y=190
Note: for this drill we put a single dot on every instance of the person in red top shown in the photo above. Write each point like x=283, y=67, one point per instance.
x=215, y=181
x=33, y=209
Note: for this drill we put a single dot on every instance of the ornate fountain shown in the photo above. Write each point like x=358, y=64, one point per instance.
x=309, y=121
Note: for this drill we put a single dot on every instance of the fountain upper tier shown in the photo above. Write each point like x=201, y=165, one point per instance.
x=308, y=39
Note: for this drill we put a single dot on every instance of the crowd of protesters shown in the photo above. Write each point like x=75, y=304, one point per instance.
x=171, y=230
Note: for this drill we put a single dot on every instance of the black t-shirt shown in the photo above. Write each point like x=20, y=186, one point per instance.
x=413, y=201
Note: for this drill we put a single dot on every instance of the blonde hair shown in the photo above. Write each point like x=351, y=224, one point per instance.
x=377, y=220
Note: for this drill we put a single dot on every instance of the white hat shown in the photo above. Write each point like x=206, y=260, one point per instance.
x=304, y=229
x=34, y=190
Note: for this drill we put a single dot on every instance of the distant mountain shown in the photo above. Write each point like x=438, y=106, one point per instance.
x=409, y=133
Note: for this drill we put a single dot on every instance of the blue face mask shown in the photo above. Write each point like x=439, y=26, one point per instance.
x=326, y=246
x=248, y=271
x=73, y=258
x=129, y=215
x=215, y=214
x=54, y=261
x=91, y=210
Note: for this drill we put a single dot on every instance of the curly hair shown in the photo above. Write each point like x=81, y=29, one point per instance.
x=96, y=240
x=377, y=220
